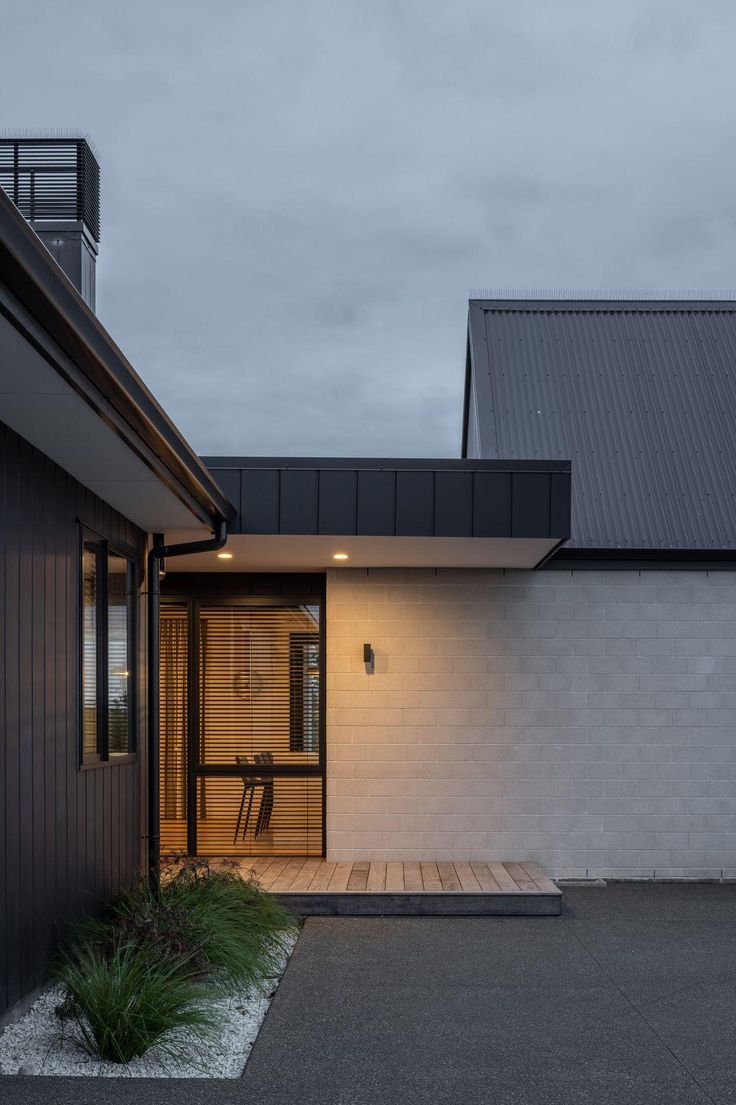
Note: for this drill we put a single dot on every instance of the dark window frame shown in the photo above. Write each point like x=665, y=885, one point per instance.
x=104, y=548
x=192, y=591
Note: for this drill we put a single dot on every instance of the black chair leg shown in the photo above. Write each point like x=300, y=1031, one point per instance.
x=240, y=815
x=247, y=812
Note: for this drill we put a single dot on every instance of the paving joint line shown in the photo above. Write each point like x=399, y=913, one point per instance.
x=649, y=1025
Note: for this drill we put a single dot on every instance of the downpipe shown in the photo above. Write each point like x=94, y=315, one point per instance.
x=156, y=554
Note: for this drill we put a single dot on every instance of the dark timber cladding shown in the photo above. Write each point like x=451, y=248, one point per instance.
x=639, y=395
x=67, y=836
x=402, y=498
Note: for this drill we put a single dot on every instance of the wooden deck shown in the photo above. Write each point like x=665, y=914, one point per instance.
x=316, y=887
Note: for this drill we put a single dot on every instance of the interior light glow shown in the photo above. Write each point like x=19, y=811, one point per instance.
x=224, y=556
x=339, y=556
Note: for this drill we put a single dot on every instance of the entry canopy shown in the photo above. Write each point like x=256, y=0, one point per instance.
x=296, y=514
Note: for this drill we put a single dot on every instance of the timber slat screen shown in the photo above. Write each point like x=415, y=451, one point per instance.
x=241, y=728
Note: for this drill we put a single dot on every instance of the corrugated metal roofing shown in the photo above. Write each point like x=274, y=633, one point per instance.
x=640, y=396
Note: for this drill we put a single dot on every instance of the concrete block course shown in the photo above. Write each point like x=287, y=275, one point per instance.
x=584, y=720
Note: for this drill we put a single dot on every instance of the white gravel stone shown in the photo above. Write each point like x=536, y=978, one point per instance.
x=42, y=1043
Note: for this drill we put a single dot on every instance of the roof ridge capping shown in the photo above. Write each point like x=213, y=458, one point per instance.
x=662, y=299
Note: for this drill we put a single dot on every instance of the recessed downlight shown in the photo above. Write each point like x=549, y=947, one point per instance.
x=224, y=556
x=339, y=556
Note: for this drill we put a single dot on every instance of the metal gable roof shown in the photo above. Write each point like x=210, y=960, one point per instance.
x=639, y=395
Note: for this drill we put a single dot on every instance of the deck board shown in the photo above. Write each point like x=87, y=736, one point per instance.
x=502, y=876
x=322, y=877
x=448, y=874
x=485, y=879
x=272, y=872
x=359, y=877
x=377, y=877
x=543, y=882
x=520, y=877
x=468, y=881
x=431, y=877
x=413, y=877
x=340, y=877
x=395, y=877
x=306, y=875
x=287, y=876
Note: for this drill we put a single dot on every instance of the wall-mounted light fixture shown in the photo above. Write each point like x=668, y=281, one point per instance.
x=369, y=659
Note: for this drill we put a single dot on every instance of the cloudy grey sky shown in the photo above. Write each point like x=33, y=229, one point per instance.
x=298, y=197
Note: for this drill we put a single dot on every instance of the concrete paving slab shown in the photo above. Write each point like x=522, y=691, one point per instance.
x=628, y=998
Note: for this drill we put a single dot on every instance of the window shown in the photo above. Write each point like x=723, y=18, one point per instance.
x=304, y=692
x=108, y=652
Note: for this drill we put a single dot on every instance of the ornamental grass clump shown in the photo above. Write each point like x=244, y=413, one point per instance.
x=124, y=999
x=154, y=964
x=242, y=931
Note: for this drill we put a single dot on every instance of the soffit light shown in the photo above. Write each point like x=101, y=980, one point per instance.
x=339, y=556
x=224, y=556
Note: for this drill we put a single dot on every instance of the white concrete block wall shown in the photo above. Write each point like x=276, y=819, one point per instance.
x=582, y=719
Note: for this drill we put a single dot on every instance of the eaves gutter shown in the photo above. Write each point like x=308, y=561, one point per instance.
x=95, y=367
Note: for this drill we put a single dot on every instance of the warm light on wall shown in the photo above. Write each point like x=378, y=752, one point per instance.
x=224, y=556
x=339, y=556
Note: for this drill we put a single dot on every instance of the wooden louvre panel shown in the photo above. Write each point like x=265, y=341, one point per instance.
x=259, y=674
x=259, y=815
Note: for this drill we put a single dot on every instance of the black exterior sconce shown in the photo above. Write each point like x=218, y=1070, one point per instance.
x=369, y=659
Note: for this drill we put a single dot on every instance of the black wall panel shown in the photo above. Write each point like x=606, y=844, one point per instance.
x=68, y=836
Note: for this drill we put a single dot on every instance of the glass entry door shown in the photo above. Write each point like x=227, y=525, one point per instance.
x=242, y=723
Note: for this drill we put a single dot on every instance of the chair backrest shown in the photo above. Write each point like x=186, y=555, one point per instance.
x=242, y=760
x=263, y=757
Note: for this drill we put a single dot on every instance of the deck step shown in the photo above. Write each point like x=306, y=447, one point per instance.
x=314, y=887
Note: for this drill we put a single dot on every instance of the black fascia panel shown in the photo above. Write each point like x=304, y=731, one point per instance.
x=414, y=504
x=260, y=501
x=560, y=507
x=442, y=498
x=376, y=503
x=337, y=502
x=492, y=504
x=453, y=494
x=298, y=501
x=530, y=504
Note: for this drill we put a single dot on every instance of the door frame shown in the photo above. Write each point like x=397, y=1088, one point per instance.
x=196, y=770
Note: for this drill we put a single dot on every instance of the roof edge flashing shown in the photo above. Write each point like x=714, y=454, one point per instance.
x=41, y=288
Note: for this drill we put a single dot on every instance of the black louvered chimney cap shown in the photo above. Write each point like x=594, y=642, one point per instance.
x=52, y=178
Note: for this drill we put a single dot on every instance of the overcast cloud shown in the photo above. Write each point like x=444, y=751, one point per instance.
x=298, y=197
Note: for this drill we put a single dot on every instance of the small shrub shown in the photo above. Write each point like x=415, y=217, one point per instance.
x=124, y=1000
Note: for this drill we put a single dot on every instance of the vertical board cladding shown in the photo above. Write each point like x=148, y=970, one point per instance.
x=580, y=719
x=68, y=836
